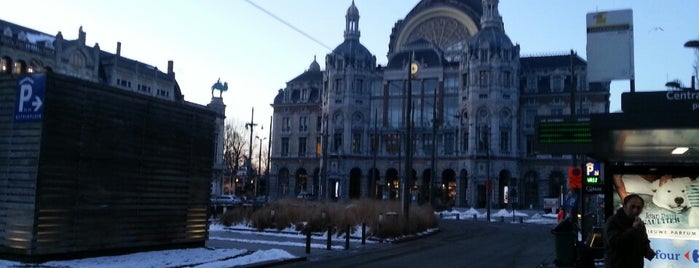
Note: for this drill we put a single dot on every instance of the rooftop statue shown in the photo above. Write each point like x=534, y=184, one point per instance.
x=220, y=87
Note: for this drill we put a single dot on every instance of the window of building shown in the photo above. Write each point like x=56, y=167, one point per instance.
x=556, y=111
x=582, y=83
x=285, y=147
x=304, y=94
x=557, y=83
x=319, y=123
x=448, y=143
x=532, y=84
x=359, y=86
x=464, y=81
x=506, y=79
x=483, y=78
x=392, y=143
x=356, y=142
x=338, y=86
x=464, y=141
x=78, y=59
x=427, y=143
x=286, y=124
x=483, y=139
x=504, y=141
x=319, y=146
x=529, y=117
x=584, y=110
x=302, y=146
x=303, y=123
x=337, y=141
x=4, y=63
x=530, y=145
x=17, y=67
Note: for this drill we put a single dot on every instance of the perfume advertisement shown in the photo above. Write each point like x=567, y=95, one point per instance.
x=671, y=215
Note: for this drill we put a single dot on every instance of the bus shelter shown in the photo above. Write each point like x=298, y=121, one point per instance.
x=651, y=149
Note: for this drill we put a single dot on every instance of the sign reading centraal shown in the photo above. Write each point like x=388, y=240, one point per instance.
x=29, y=104
x=665, y=101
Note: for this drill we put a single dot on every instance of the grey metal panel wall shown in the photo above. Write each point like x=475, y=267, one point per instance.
x=119, y=170
x=19, y=157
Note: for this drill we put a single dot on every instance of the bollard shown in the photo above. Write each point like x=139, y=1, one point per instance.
x=308, y=242
x=457, y=216
x=363, y=233
x=521, y=220
x=475, y=217
x=380, y=233
x=441, y=216
x=347, y=237
x=329, y=238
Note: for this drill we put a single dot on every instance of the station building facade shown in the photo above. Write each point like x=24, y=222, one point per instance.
x=339, y=133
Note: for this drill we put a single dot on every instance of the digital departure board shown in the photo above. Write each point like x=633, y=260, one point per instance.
x=563, y=135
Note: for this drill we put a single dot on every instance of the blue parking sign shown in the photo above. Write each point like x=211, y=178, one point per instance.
x=29, y=104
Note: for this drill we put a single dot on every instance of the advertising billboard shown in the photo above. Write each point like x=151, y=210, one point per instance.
x=610, y=45
x=671, y=215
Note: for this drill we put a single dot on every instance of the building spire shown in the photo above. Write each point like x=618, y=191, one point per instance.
x=352, y=23
x=491, y=16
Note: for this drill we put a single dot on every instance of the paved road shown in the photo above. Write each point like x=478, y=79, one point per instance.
x=458, y=244
x=462, y=243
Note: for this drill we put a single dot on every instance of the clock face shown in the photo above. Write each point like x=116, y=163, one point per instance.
x=413, y=68
x=445, y=32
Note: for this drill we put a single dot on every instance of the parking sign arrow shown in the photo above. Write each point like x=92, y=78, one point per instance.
x=37, y=103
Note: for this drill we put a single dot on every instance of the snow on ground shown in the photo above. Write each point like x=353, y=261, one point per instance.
x=219, y=258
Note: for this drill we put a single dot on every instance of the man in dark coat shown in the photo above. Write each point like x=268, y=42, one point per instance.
x=626, y=238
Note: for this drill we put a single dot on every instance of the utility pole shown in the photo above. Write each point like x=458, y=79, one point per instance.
x=269, y=151
x=412, y=70
x=324, y=164
x=251, y=125
x=488, y=182
x=375, y=148
x=259, y=165
x=433, y=176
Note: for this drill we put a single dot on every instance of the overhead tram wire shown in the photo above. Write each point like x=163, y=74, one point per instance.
x=288, y=24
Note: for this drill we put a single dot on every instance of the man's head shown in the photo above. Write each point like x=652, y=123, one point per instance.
x=633, y=205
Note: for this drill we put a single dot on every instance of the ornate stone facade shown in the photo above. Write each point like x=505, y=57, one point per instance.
x=474, y=103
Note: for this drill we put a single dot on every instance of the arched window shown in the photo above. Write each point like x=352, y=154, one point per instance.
x=18, y=67
x=78, y=59
x=5, y=64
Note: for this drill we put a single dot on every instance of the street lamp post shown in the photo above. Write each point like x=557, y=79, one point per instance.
x=695, y=45
x=412, y=71
x=251, y=125
x=259, y=163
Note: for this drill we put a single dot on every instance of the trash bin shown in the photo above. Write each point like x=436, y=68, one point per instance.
x=565, y=242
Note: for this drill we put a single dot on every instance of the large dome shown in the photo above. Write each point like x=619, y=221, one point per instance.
x=352, y=49
x=491, y=37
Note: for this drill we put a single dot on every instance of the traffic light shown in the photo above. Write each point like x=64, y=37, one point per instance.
x=574, y=178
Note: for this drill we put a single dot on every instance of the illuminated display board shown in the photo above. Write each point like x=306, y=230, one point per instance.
x=563, y=134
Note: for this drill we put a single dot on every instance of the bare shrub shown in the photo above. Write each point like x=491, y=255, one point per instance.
x=384, y=219
x=234, y=215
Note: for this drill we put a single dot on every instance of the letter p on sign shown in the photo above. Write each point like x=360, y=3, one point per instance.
x=25, y=94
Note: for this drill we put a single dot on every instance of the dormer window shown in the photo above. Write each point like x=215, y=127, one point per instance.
x=557, y=83
x=7, y=32
x=78, y=59
x=483, y=78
